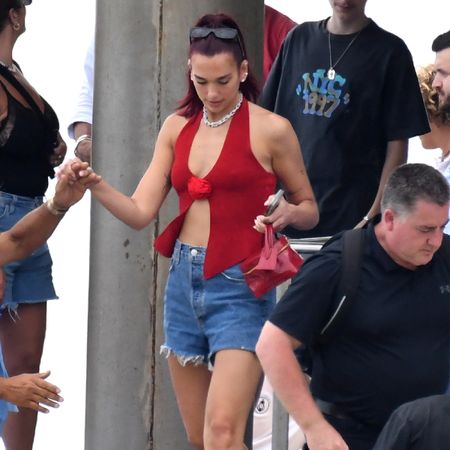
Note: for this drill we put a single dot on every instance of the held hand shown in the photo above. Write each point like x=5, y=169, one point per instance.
x=68, y=192
x=75, y=170
x=59, y=152
x=67, y=169
x=31, y=391
x=322, y=436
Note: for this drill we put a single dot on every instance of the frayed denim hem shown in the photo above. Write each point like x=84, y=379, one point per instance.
x=196, y=360
x=12, y=311
x=12, y=307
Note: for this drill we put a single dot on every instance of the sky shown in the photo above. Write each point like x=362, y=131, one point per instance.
x=51, y=54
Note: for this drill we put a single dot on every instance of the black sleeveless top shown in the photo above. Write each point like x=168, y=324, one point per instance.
x=26, y=143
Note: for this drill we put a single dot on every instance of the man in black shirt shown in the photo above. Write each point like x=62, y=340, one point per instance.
x=392, y=346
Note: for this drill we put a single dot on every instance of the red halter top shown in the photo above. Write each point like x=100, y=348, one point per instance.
x=236, y=188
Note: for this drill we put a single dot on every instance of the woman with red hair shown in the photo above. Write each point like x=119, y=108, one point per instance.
x=224, y=155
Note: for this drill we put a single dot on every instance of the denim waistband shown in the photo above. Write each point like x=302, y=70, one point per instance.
x=5, y=197
x=194, y=252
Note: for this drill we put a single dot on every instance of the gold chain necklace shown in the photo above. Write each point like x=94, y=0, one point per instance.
x=331, y=72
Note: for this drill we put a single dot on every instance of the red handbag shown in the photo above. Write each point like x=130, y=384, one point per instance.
x=275, y=263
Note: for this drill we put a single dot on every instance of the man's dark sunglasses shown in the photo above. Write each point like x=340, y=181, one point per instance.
x=220, y=33
x=26, y=2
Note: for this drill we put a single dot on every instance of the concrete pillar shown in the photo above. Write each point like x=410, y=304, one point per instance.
x=120, y=334
x=141, y=54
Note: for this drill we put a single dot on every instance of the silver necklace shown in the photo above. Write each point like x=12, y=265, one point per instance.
x=331, y=72
x=228, y=116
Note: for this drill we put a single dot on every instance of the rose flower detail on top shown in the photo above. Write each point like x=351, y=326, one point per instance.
x=199, y=188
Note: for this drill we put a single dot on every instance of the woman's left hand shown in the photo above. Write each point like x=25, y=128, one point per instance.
x=75, y=170
x=59, y=152
x=69, y=191
x=279, y=218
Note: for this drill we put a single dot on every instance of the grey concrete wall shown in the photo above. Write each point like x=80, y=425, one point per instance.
x=141, y=57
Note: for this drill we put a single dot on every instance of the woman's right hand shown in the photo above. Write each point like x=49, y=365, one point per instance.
x=279, y=218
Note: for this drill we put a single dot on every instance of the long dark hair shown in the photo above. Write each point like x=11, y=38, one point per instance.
x=191, y=104
x=5, y=6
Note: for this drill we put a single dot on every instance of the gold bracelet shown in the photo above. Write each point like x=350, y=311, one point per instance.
x=54, y=209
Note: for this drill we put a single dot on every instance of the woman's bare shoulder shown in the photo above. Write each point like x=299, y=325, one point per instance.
x=172, y=126
x=271, y=124
x=175, y=120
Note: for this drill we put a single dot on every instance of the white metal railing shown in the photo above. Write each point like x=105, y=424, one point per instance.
x=280, y=420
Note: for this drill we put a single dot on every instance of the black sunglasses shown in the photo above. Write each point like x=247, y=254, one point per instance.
x=220, y=33
x=26, y=2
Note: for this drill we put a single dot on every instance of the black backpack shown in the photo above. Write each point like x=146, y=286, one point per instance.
x=352, y=251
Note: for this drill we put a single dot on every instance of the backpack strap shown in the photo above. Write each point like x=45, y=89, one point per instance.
x=445, y=250
x=352, y=251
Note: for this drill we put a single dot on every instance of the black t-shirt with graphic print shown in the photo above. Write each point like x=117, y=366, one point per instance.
x=344, y=124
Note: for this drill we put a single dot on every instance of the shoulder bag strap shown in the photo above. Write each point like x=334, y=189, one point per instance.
x=445, y=248
x=5, y=72
x=352, y=251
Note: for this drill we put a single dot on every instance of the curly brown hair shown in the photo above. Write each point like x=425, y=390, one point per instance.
x=430, y=97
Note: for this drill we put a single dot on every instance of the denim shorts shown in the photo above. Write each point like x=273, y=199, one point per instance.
x=28, y=280
x=202, y=317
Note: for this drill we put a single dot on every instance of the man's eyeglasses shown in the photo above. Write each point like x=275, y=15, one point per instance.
x=221, y=33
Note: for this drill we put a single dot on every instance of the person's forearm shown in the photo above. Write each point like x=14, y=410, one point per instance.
x=280, y=365
x=305, y=215
x=2, y=388
x=29, y=233
x=396, y=154
x=122, y=206
x=83, y=147
x=275, y=352
x=81, y=128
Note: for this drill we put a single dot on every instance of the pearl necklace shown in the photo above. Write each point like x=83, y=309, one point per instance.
x=10, y=67
x=226, y=117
